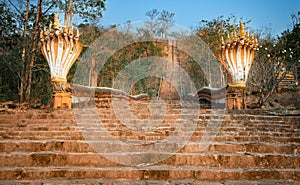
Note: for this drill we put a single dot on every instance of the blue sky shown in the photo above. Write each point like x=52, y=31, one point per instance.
x=188, y=13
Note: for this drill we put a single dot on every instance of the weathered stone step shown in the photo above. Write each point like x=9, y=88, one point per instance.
x=148, y=136
x=245, y=147
x=70, y=114
x=7, y=146
x=119, y=130
x=93, y=181
x=35, y=114
x=116, y=124
x=202, y=121
x=239, y=120
x=35, y=122
x=207, y=159
x=265, y=126
x=154, y=136
x=146, y=130
x=147, y=173
x=79, y=136
x=41, y=145
x=256, y=139
x=41, y=135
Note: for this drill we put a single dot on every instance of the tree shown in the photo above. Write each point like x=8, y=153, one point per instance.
x=31, y=16
x=290, y=40
x=10, y=40
x=158, y=24
x=211, y=32
x=166, y=21
x=274, y=60
x=152, y=23
x=88, y=10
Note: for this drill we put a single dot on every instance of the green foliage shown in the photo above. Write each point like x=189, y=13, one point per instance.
x=13, y=41
x=149, y=85
x=290, y=40
x=41, y=93
x=124, y=57
x=274, y=60
x=89, y=33
x=9, y=55
x=20, y=46
x=88, y=10
x=211, y=31
x=158, y=25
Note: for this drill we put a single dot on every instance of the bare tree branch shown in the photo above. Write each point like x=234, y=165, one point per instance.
x=46, y=11
x=15, y=7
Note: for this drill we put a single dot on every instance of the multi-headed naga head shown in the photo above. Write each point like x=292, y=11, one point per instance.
x=61, y=49
x=237, y=55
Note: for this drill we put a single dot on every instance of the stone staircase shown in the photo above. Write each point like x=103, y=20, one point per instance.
x=181, y=147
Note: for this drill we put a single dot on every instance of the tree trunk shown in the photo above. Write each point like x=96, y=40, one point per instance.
x=28, y=66
x=69, y=14
x=275, y=85
x=23, y=59
x=93, y=73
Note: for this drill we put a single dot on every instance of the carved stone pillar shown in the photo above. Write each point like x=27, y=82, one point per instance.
x=61, y=49
x=237, y=56
x=236, y=96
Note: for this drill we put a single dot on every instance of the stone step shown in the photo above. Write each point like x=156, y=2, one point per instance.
x=154, y=136
x=38, y=115
x=8, y=146
x=37, y=145
x=207, y=159
x=151, y=136
x=147, y=130
x=147, y=173
x=69, y=114
x=78, y=136
x=257, y=139
x=12, y=121
x=143, y=131
x=115, y=125
x=188, y=181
